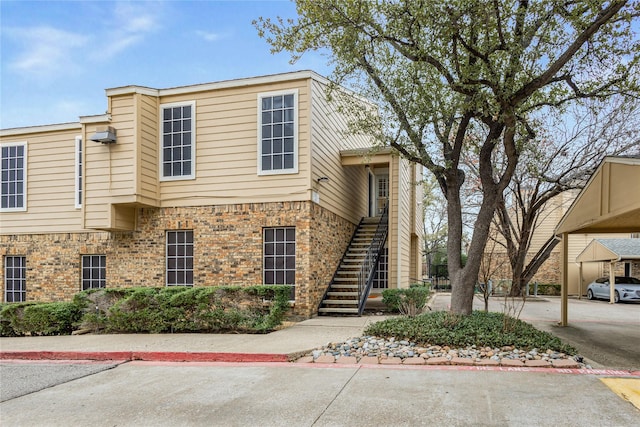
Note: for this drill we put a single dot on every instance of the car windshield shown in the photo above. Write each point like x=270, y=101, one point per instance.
x=627, y=281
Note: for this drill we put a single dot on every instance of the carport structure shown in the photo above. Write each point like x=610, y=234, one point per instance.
x=611, y=251
x=609, y=203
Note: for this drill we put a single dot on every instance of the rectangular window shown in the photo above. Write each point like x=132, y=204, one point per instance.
x=279, y=253
x=180, y=258
x=79, y=172
x=15, y=278
x=177, y=160
x=94, y=271
x=14, y=177
x=277, y=133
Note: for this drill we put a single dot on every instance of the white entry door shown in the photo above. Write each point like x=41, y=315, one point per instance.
x=382, y=193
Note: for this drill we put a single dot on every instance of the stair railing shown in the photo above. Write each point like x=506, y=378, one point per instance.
x=368, y=266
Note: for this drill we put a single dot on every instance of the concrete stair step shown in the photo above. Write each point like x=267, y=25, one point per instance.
x=340, y=302
x=342, y=294
x=338, y=310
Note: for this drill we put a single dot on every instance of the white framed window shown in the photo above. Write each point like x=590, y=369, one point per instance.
x=179, y=258
x=79, y=172
x=279, y=257
x=13, y=194
x=94, y=271
x=15, y=278
x=278, y=132
x=178, y=141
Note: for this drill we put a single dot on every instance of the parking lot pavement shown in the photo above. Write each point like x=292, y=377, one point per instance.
x=608, y=335
x=20, y=379
x=223, y=394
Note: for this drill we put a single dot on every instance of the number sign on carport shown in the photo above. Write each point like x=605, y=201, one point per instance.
x=609, y=203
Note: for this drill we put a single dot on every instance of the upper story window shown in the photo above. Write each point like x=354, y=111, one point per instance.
x=177, y=160
x=278, y=132
x=13, y=196
x=79, y=172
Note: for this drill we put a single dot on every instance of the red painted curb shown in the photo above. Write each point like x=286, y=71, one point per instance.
x=155, y=356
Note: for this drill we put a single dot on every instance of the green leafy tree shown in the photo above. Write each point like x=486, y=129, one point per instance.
x=455, y=75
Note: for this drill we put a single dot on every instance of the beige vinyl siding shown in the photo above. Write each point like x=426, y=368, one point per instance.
x=51, y=187
x=148, y=128
x=404, y=180
x=97, y=182
x=227, y=150
x=346, y=192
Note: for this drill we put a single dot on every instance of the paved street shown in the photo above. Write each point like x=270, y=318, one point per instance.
x=275, y=394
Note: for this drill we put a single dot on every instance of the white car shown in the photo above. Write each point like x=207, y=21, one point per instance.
x=626, y=289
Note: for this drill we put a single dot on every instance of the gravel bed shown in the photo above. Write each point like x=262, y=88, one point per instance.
x=380, y=347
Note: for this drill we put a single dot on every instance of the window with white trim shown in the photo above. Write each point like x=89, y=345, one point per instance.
x=79, y=172
x=279, y=257
x=94, y=271
x=14, y=177
x=15, y=278
x=180, y=258
x=178, y=141
x=278, y=132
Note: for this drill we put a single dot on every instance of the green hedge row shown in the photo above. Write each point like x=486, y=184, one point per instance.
x=253, y=309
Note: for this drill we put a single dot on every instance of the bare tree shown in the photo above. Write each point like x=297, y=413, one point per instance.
x=567, y=153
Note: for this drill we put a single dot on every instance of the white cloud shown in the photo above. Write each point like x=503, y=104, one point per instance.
x=131, y=23
x=47, y=50
x=209, y=36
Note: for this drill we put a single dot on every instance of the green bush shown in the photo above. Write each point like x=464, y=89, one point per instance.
x=480, y=328
x=545, y=289
x=54, y=318
x=203, y=309
x=410, y=302
x=253, y=309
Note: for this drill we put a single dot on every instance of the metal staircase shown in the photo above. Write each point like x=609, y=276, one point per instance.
x=348, y=291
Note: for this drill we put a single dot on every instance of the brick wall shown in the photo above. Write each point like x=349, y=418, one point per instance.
x=227, y=250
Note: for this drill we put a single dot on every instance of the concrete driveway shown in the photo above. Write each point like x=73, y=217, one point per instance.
x=606, y=334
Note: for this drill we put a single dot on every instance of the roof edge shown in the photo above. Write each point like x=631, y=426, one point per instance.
x=224, y=84
x=40, y=128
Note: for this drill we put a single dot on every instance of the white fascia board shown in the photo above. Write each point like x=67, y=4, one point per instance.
x=38, y=129
x=99, y=118
x=126, y=90
x=250, y=81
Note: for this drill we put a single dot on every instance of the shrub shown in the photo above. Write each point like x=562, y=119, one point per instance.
x=410, y=302
x=480, y=328
x=254, y=309
x=54, y=318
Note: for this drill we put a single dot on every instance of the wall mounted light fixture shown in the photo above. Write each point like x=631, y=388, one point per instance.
x=323, y=179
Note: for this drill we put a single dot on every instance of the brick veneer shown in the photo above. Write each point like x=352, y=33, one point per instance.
x=227, y=250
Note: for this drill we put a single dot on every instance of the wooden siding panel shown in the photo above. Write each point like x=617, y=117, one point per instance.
x=346, y=192
x=50, y=185
x=227, y=150
x=149, y=144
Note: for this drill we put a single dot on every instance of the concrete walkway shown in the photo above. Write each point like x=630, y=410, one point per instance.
x=285, y=344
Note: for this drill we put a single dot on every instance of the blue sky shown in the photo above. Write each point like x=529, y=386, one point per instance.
x=57, y=57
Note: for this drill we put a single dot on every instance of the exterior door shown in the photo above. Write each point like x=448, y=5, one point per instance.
x=381, y=193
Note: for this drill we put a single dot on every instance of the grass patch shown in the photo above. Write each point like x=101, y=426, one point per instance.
x=481, y=329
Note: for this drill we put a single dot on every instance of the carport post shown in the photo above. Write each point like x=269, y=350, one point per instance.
x=564, y=288
x=612, y=282
x=581, y=279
